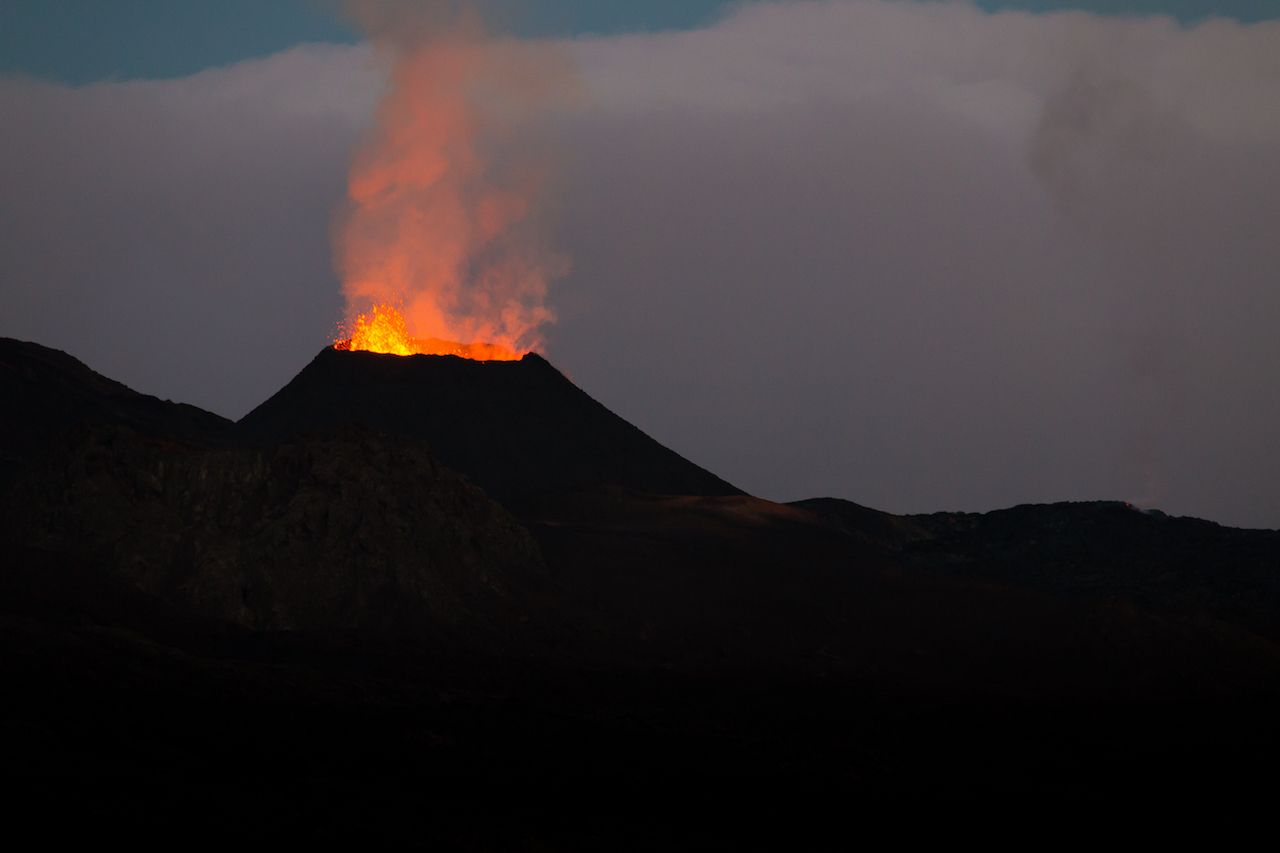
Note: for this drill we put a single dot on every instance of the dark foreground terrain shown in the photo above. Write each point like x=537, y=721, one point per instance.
x=448, y=601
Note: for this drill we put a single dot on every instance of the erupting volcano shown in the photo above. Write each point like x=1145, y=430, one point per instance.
x=384, y=330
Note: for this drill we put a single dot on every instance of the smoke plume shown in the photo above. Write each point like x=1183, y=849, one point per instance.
x=441, y=219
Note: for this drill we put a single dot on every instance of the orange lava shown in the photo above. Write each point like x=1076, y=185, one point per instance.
x=384, y=330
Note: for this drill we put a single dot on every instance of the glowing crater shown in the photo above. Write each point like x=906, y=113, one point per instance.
x=383, y=330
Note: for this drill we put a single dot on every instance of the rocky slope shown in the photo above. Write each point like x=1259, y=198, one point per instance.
x=351, y=532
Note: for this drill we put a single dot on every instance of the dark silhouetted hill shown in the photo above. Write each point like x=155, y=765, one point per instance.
x=47, y=392
x=1099, y=550
x=518, y=429
x=345, y=531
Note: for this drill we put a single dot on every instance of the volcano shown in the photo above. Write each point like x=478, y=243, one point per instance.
x=519, y=429
x=402, y=577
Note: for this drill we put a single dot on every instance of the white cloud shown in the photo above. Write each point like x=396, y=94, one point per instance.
x=174, y=234
x=927, y=257
x=912, y=254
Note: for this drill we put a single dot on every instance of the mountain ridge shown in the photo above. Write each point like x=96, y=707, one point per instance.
x=327, y=601
x=56, y=392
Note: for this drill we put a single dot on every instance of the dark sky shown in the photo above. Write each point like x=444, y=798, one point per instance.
x=915, y=255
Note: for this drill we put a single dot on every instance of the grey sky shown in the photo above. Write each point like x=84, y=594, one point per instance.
x=917, y=256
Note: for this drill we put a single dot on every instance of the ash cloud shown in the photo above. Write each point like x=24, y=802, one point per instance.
x=915, y=255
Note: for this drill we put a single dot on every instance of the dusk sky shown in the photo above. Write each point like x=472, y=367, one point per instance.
x=920, y=255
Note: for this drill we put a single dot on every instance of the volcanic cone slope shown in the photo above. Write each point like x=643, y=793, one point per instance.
x=519, y=429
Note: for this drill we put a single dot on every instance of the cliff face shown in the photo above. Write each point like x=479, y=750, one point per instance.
x=346, y=532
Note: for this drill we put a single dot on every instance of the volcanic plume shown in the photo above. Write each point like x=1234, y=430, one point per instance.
x=439, y=245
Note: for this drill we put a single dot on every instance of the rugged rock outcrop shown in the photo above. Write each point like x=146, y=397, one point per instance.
x=349, y=532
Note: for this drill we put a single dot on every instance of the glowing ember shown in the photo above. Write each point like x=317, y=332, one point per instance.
x=384, y=330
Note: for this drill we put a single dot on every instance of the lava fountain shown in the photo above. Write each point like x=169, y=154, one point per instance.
x=439, y=245
x=384, y=330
